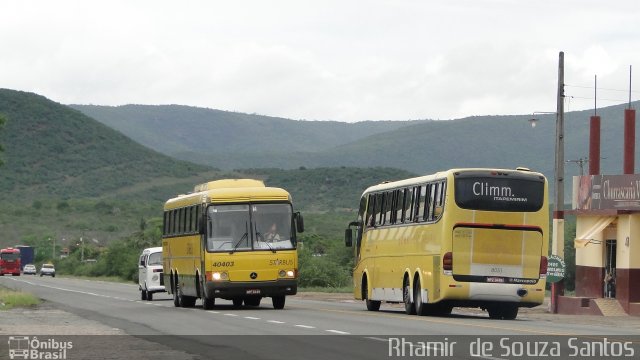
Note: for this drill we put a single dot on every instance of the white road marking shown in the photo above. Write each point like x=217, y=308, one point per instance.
x=338, y=332
x=376, y=338
x=276, y=322
x=230, y=314
x=251, y=318
x=306, y=326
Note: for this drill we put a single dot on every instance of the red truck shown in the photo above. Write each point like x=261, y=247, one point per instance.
x=10, y=261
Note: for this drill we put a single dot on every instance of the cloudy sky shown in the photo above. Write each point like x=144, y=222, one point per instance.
x=323, y=60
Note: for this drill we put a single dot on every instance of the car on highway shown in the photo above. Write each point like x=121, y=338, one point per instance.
x=48, y=269
x=29, y=269
x=150, y=279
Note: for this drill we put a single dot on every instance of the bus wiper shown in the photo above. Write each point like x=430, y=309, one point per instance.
x=246, y=234
x=259, y=236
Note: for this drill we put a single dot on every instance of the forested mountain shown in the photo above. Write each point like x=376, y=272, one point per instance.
x=236, y=141
x=175, y=129
x=54, y=151
x=66, y=175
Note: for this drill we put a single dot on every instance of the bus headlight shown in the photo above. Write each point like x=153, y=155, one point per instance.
x=286, y=273
x=154, y=277
x=220, y=275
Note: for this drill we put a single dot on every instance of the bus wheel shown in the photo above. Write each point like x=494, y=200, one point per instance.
x=372, y=305
x=176, y=297
x=187, y=301
x=409, y=307
x=207, y=302
x=278, y=302
x=143, y=294
x=237, y=302
x=503, y=311
x=510, y=312
x=252, y=301
x=421, y=309
x=149, y=296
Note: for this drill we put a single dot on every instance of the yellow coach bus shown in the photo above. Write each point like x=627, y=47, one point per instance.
x=462, y=237
x=231, y=239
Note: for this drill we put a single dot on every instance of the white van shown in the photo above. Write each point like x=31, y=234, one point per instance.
x=150, y=279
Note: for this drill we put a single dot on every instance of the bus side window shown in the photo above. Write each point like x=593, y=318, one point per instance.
x=432, y=201
x=187, y=220
x=388, y=213
x=174, y=216
x=408, y=205
x=427, y=203
x=371, y=211
x=421, y=203
x=165, y=224
x=399, y=208
x=378, y=210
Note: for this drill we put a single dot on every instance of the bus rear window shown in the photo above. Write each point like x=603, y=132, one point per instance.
x=499, y=193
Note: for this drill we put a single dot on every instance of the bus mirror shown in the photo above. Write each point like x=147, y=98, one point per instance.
x=354, y=223
x=348, y=237
x=299, y=222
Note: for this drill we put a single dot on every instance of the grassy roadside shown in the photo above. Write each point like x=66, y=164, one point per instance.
x=10, y=299
x=345, y=290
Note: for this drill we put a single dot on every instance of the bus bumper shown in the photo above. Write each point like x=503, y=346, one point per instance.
x=230, y=290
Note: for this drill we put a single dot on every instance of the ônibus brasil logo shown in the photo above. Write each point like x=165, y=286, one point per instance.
x=26, y=347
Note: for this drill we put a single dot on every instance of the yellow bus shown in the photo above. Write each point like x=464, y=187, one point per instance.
x=232, y=239
x=457, y=238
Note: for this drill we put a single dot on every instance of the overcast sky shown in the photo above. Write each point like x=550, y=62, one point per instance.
x=323, y=60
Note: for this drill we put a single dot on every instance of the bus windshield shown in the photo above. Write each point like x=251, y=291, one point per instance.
x=10, y=256
x=244, y=227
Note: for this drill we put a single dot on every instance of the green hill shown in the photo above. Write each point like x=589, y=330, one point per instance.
x=54, y=151
x=183, y=131
x=237, y=141
x=67, y=175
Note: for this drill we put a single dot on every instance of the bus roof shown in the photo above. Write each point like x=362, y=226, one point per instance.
x=227, y=191
x=9, y=250
x=440, y=175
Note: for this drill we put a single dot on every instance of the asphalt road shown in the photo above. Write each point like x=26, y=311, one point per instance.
x=356, y=331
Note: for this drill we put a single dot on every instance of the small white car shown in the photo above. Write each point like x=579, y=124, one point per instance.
x=48, y=269
x=150, y=279
x=29, y=269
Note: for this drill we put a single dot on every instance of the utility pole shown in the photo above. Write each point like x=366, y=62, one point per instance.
x=557, y=245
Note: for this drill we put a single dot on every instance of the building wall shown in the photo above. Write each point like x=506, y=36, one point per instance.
x=590, y=260
x=628, y=260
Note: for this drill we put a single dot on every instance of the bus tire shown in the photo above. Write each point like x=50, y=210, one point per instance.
x=252, y=301
x=207, y=302
x=188, y=301
x=421, y=308
x=409, y=306
x=278, y=302
x=502, y=311
x=237, y=302
x=510, y=312
x=149, y=296
x=372, y=305
x=175, y=290
x=143, y=294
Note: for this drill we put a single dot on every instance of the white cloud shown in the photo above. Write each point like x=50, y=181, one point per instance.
x=318, y=60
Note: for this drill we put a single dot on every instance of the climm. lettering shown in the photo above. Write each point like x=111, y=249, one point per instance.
x=484, y=189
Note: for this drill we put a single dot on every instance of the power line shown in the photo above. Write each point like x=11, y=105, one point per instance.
x=591, y=87
x=591, y=98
